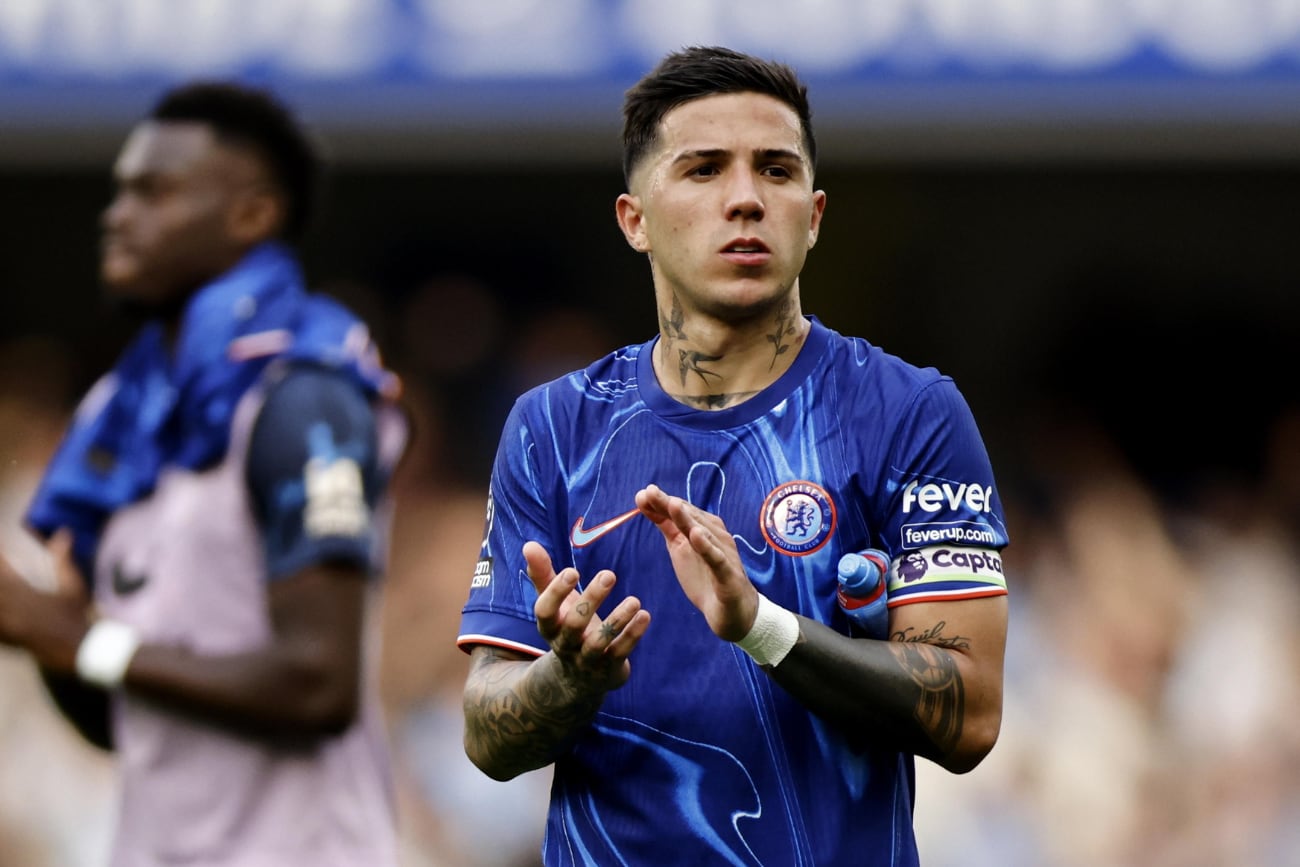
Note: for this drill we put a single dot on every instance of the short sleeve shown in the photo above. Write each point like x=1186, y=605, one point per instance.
x=313, y=472
x=499, y=610
x=942, y=519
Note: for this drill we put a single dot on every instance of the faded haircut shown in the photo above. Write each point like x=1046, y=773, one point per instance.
x=253, y=118
x=702, y=71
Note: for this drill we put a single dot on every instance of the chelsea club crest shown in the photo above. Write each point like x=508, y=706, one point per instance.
x=798, y=518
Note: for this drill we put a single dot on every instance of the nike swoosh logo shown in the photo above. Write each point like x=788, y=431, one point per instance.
x=583, y=536
x=125, y=585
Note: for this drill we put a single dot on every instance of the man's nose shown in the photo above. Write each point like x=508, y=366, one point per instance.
x=743, y=199
x=114, y=214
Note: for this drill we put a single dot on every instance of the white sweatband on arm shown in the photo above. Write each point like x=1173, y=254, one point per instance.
x=105, y=653
x=774, y=632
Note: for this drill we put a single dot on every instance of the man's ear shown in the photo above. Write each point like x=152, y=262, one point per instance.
x=631, y=219
x=815, y=226
x=256, y=215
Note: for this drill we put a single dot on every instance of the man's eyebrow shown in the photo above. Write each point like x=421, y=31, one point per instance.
x=784, y=154
x=778, y=154
x=701, y=154
x=147, y=174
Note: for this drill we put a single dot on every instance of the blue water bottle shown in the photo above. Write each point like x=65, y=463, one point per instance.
x=861, y=592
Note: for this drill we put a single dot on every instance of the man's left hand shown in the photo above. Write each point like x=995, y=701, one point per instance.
x=706, y=561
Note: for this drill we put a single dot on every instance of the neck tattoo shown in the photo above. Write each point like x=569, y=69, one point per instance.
x=786, y=333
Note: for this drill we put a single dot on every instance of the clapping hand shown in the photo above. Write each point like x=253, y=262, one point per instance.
x=592, y=651
x=706, y=561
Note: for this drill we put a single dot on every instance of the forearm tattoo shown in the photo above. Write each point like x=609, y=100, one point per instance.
x=523, y=718
x=941, y=702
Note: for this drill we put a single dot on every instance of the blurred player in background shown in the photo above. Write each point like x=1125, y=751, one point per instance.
x=712, y=478
x=221, y=494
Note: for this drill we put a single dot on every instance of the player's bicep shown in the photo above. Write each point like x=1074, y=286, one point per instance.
x=976, y=628
x=953, y=653
x=931, y=588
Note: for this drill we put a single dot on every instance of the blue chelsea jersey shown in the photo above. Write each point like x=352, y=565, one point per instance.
x=700, y=758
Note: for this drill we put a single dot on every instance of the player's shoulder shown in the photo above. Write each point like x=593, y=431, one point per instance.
x=610, y=378
x=889, y=377
x=304, y=388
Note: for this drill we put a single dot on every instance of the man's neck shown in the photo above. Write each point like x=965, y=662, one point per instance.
x=709, y=364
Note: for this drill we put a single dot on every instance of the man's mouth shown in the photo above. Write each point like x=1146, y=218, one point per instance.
x=747, y=253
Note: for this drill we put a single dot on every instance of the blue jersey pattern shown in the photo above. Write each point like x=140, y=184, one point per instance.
x=700, y=758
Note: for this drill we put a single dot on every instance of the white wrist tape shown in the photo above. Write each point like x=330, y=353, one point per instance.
x=105, y=653
x=774, y=632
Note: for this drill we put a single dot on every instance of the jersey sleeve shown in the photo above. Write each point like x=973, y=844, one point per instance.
x=942, y=521
x=313, y=472
x=499, y=610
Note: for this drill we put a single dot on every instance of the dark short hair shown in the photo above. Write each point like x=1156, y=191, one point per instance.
x=250, y=117
x=701, y=71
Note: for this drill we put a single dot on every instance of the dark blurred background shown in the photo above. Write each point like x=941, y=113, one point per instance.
x=1080, y=210
x=1159, y=296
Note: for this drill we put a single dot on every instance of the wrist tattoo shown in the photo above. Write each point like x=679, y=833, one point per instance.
x=526, y=720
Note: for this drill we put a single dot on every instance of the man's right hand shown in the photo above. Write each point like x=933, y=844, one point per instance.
x=521, y=713
x=592, y=651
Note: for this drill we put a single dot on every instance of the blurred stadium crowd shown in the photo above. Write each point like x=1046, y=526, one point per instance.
x=1153, y=666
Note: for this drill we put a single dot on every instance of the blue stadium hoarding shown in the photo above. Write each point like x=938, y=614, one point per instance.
x=446, y=74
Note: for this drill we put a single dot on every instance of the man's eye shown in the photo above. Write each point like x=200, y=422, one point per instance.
x=147, y=188
x=705, y=171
